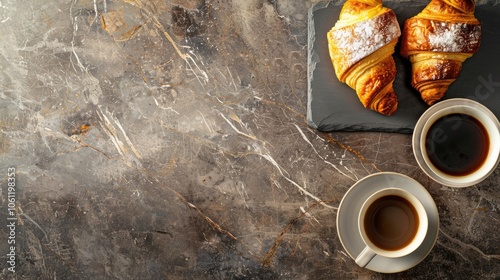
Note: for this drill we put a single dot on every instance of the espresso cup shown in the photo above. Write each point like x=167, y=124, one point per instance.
x=456, y=142
x=392, y=223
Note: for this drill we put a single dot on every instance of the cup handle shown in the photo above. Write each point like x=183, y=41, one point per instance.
x=365, y=257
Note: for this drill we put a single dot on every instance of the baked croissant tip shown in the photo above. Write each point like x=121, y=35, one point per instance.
x=388, y=105
x=433, y=95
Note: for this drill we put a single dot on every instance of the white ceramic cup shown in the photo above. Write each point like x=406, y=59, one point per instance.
x=441, y=110
x=371, y=249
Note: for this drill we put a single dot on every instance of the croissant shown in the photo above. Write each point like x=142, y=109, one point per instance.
x=437, y=41
x=361, y=44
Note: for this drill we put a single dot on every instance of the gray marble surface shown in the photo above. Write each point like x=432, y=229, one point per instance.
x=168, y=140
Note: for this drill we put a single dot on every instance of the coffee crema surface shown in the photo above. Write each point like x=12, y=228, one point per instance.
x=391, y=222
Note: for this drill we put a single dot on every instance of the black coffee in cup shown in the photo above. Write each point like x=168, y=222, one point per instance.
x=457, y=144
x=391, y=222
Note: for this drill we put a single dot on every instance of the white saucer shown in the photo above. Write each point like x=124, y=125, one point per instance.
x=347, y=216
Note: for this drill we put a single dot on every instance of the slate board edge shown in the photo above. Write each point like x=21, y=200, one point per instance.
x=311, y=35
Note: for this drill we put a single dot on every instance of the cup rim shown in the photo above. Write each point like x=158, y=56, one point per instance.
x=420, y=235
x=450, y=106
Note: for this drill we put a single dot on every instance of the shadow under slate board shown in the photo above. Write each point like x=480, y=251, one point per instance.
x=333, y=106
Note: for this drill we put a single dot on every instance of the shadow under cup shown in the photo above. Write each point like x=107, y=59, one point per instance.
x=457, y=142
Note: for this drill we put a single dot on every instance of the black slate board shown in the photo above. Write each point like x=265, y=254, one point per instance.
x=333, y=106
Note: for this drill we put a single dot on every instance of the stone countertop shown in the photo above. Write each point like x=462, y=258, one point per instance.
x=168, y=140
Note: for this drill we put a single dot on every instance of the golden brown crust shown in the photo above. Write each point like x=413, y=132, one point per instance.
x=361, y=45
x=349, y=44
x=436, y=69
x=423, y=34
x=433, y=73
x=457, y=7
x=387, y=105
x=353, y=8
x=375, y=83
x=437, y=41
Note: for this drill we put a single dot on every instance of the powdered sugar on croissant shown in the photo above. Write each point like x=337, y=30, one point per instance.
x=437, y=41
x=361, y=45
